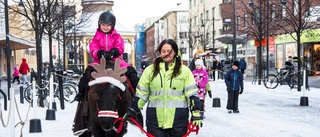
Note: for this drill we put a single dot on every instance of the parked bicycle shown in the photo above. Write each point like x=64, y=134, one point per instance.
x=285, y=76
x=69, y=91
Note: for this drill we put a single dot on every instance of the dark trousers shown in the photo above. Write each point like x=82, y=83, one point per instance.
x=242, y=71
x=16, y=78
x=202, y=105
x=232, y=103
x=171, y=132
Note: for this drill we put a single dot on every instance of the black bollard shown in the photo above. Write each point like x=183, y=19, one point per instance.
x=21, y=95
x=304, y=101
x=50, y=114
x=216, y=102
x=35, y=126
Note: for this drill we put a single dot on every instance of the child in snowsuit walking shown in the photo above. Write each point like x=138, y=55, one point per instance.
x=201, y=77
x=16, y=75
x=234, y=83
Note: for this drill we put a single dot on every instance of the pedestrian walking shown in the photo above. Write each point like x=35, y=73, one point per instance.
x=24, y=70
x=242, y=65
x=16, y=74
x=201, y=77
x=234, y=83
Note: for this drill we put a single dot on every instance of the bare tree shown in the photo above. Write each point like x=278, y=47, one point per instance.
x=299, y=16
x=41, y=17
x=258, y=19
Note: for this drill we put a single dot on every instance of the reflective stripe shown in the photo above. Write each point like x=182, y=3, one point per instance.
x=143, y=97
x=170, y=104
x=177, y=104
x=143, y=88
x=156, y=93
x=155, y=103
x=191, y=87
x=175, y=93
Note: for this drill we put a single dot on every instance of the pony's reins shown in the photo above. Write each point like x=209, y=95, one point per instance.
x=191, y=127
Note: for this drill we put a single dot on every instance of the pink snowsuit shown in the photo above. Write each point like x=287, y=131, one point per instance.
x=201, y=77
x=106, y=42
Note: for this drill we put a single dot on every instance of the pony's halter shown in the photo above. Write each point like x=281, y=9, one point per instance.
x=110, y=80
x=108, y=75
x=107, y=113
x=102, y=75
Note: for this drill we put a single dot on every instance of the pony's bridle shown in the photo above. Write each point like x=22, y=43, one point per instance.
x=115, y=82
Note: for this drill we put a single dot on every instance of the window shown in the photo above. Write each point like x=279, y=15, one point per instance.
x=195, y=20
x=201, y=16
x=226, y=1
x=284, y=11
x=273, y=12
x=238, y=23
x=190, y=4
x=296, y=8
x=207, y=14
x=245, y=20
x=213, y=12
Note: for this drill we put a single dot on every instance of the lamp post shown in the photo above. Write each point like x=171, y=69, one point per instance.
x=234, y=50
x=8, y=50
x=213, y=30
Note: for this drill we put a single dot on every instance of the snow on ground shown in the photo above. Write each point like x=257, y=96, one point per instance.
x=263, y=112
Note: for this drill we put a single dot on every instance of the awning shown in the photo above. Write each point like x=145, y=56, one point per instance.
x=16, y=43
x=228, y=38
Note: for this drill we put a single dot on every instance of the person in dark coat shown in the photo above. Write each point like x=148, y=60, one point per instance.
x=234, y=83
x=242, y=65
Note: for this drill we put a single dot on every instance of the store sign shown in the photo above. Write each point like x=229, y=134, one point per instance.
x=312, y=35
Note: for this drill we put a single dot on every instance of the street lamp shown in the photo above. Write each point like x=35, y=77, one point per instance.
x=8, y=50
x=234, y=50
x=213, y=31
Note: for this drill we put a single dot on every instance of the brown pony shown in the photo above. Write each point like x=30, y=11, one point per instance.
x=109, y=98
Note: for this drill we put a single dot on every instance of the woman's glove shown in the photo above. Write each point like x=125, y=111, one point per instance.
x=210, y=95
x=196, y=118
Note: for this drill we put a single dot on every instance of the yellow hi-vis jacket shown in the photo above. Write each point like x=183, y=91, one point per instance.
x=168, y=99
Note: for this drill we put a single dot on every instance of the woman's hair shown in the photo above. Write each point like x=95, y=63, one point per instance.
x=176, y=59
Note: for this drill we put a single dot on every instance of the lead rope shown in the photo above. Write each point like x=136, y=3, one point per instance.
x=191, y=128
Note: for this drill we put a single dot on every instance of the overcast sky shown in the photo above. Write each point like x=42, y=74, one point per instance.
x=130, y=12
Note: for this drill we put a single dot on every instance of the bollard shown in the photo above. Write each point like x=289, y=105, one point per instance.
x=21, y=95
x=304, y=99
x=35, y=126
x=216, y=102
x=51, y=113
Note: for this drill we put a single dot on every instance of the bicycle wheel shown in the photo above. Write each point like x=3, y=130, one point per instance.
x=69, y=92
x=27, y=93
x=293, y=81
x=271, y=81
